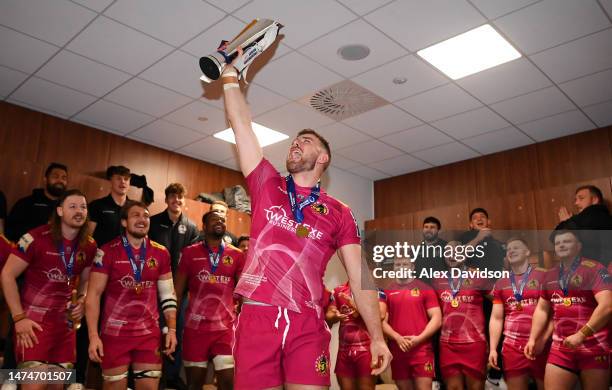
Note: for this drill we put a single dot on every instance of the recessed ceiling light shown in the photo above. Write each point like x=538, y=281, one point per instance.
x=399, y=80
x=265, y=135
x=471, y=52
x=354, y=52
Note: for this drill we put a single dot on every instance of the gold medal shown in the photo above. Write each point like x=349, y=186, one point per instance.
x=518, y=307
x=138, y=288
x=455, y=302
x=302, y=231
x=567, y=302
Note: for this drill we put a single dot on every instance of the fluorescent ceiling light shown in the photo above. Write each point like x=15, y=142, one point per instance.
x=265, y=135
x=471, y=52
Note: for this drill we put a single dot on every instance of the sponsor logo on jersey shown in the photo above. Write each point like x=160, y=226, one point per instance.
x=322, y=365
x=128, y=282
x=277, y=216
x=558, y=299
x=206, y=277
x=55, y=275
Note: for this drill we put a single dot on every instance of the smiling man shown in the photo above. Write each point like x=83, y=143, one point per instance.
x=281, y=337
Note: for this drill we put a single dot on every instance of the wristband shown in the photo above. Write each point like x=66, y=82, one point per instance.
x=227, y=86
x=19, y=317
x=587, y=331
x=230, y=74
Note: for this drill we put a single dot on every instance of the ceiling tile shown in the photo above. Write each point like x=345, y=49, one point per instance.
x=174, y=22
x=277, y=153
x=534, y=105
x=298, y=17
x=439, y=103
x=590, y=90
x=116, y=45
x=551, y=22
x=53, y=21
x=325, y=49
x=178, y=71
x=292, y=118
x=199, y=116
x=231, y=163
x=607, y=4
x=471, y=123
x=382, y=121
x=369, y=173
x=420, y=77
x=362, y=7
x=82, y=74
x=167, y=134
x=600, y=113
x=560, y=125
x=400, y=165
x=369, y=151
x=505, y=81
x=446, y=154
x=496, y=8
x=340, y=135
x=112, y=117
x=96, y=5
x=22, y=52
x=567, y=61
x=51, y=97
x=305, y=76
x=419, y=138
x=261, y=99
x=9, y=80
x=210, y=149
x=146, y=97
x=418, y=24
x=496, y=141
x=228, y=5
x=343, y=162
x=208, y=41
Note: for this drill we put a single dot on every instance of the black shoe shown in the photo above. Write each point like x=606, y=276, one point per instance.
x=176, y=383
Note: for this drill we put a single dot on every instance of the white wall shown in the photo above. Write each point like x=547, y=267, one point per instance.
x=358, y=193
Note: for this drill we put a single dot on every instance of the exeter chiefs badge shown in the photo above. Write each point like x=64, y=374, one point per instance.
x=320, y=208
x=227, y=260
x=577, y=280
x=533, y=283
x=80, y=257
x=415, y=292
x=428, y=367
x=322, y=365
x=152, y=263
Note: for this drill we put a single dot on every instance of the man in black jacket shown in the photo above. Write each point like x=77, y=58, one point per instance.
x=34, y=210
x=594, y=220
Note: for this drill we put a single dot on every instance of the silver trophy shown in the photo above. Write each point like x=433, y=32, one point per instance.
x=256, y=37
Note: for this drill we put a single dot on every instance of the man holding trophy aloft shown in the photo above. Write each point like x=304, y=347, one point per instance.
x=281, y=336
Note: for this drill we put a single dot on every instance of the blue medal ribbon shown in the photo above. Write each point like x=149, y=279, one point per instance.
x=296, y=208
x=454, y=289
x=518, y=293
x=143, y=255
x=565, y=278
x=214, y=257
x=70, y=264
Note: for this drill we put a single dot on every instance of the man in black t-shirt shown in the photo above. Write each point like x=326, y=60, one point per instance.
x=104, y=213
x=2, y=212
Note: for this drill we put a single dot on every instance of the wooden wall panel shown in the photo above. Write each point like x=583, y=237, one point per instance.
x=404, y=202
x=20, y=135
x=19, y=177
x=454, y=217
x=513, y=211
x=449, y=184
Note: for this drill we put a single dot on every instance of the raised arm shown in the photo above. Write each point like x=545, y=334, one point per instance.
x=239, y=115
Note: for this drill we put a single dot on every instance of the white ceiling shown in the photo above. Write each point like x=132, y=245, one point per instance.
x=130, y=67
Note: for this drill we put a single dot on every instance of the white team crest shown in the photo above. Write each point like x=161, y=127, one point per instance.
x=25, y=241
x=98, y=259
x=182, y=229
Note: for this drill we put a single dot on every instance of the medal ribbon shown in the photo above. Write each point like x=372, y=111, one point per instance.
x=214, y=257
x=296, y=208
x=143, y=255
x=455, y=289
x=70, y=265
x=564, y=279
x=518, y=293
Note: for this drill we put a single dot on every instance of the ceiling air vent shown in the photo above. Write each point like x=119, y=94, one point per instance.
x=343, y=100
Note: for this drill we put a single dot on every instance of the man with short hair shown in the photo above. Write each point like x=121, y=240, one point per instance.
x=243, y=244
x=35, y=210
x=104, y=213
x=431, y=257
x=480, y=233
x=55, y=260
x=281, y=338
x=577, y=293
x=221, y=208
x=594, y=218
x=210, y=270
x=132, y=272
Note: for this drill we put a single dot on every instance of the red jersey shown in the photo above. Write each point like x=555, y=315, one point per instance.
x=589, y=278
x=462, y=316
x=281, y=268
x=517, y=316
x=6, y=248
x=46, y=291
x=126, y=311
x=211, y=293
x=353, y=333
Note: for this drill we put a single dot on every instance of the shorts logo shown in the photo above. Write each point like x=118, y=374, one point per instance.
x=322, y=365
x=428, y=367
x=227, y=260
x=80, y=257
x=601, y=358
x=533, y=283
x=320, y=208
x=577, y=280
x=415, y=292
x=152, y=263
